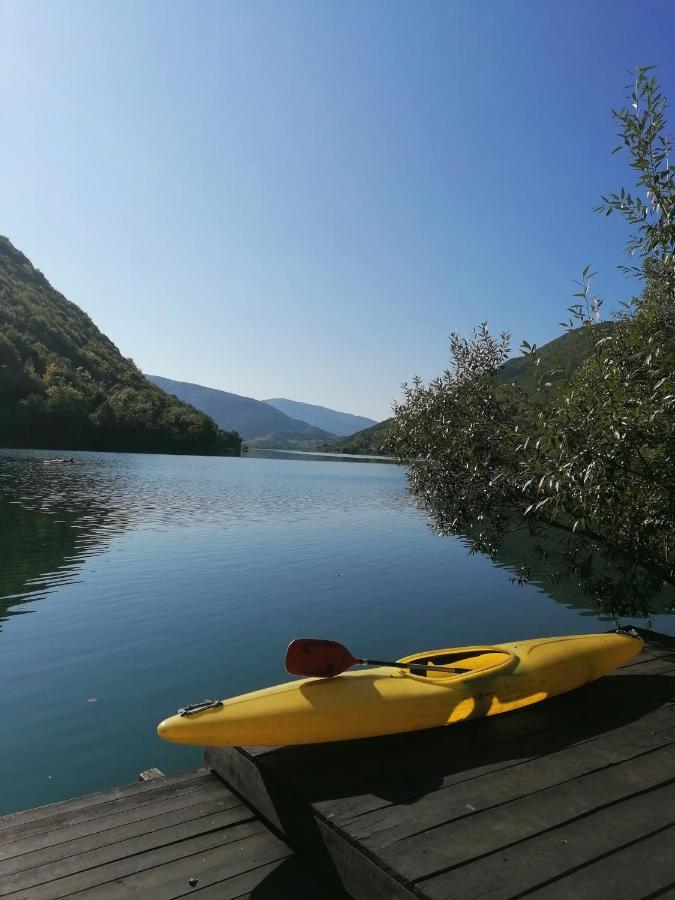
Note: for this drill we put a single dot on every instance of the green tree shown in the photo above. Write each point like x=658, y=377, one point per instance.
x=13, y=381
x=63, y=384
x=590, y=458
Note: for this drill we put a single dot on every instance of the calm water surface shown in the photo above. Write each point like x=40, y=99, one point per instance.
x=131, y=585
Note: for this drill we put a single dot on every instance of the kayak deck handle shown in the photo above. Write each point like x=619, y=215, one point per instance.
x=192, y=708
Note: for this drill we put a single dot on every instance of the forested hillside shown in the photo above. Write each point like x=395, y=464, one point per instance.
x=560, y=358
x=371, y=441
x=64, y=384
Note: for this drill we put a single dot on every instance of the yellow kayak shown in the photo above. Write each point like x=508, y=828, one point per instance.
x=378, y=701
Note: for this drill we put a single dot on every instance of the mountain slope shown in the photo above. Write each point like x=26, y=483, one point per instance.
x=65, y=385
x=559, y=359
x=339, y=423
x=257, y=422
x=371, y=441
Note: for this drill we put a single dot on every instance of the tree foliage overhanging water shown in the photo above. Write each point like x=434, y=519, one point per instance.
x=591, y=456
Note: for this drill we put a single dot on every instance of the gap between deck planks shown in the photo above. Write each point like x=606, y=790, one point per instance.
x=518, y=805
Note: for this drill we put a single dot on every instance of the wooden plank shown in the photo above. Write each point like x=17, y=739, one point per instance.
x=450, y=755
x=316, y=840
x=666, y=893
x=385, y=806
x=208, y=866
x=391, y=817
x=283, y=879
x=661, y=664
x=294, y=820
x=107, y=846
x=442, y=774
x=247, y=780
x=644, y=869
x=70, y=816
x=362, y=874
x=318, y=773
x=407, y=792
x=87, y=800
x=650, y=655
x=438, y=849
x=358, y=853
x=544, y=858
x=211, y=794
x=227, y=850
x=120, y=875
x=498, y=788
x=338, y=766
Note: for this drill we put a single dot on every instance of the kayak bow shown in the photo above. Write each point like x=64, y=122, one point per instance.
x=380, y=701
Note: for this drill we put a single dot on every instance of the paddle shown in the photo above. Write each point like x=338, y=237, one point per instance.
x=325, y=659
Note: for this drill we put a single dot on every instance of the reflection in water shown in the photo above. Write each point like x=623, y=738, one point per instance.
x=171, y=579
x=55, y=512
x=541, y=558
x=52, y=516
x=255, y=453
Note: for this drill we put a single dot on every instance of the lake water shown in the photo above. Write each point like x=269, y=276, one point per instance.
x=131, y=585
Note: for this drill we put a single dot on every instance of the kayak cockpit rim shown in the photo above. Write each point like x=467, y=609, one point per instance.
x=467, y=662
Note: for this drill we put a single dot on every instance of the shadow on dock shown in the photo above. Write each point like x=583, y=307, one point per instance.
x=426, y=814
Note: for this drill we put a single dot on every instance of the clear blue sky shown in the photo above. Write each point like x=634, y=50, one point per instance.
x=303, y=199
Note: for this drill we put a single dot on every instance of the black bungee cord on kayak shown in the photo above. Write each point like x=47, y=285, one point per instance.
x=193, y=708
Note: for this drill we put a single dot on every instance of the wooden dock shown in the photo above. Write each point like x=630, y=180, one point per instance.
x=170, y=837
x=572, y=798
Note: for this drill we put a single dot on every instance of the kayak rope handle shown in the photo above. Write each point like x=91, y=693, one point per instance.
x=193, y=708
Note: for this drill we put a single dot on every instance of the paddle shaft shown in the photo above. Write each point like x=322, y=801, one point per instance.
x=400, y=665
x=318, y=658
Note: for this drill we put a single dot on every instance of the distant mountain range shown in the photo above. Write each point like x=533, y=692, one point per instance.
x=340, y=423
x=257, y=422
x=64, y=385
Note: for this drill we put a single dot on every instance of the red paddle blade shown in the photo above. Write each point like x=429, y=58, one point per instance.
x=317, y=659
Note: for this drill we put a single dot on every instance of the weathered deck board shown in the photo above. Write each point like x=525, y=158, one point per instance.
x=532, y=781
x=149, y=840
x=180, y=793
x=117, y=842
x=644, y=869
x=88, y=800
x=539, y=802
x=208, y=799
x=539, y=860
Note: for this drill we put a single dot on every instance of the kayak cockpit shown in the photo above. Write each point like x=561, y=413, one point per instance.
x=459, y=662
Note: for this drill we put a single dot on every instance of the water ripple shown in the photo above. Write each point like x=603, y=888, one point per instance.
x=56, y=512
